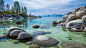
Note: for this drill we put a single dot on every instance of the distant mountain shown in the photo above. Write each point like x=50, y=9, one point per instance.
x=53, y=15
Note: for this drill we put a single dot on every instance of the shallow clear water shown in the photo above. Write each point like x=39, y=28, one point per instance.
x=57, y=32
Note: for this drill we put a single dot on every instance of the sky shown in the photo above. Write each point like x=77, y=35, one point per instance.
x=48, y=7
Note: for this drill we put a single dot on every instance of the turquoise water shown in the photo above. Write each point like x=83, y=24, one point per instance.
x=57, y=32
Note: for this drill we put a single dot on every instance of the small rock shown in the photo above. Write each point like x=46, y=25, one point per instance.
x=28, y=43
x=16, y=42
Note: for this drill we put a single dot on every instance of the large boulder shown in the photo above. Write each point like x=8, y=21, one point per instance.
x=13, y=28
x=44, y=41
x=81, y=12
x=71, y=44
x=77, y=9
x=76, y=24
x=36, y=26
x=64, y=18
x=71, y=18
x=84, y=18
x=24, y=35
x=15, y=33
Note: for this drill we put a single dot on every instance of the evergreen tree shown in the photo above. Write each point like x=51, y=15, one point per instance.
x=7, y=6
x=12, y=9
x=16, y=7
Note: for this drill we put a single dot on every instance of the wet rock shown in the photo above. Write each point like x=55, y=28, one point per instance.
x=55, y=46
x=1, y=36
x=55, y=22
x=13, y=28
x=15, y=33
x=28, y=43
x=76, y=24
x=71, y=44
x=36, y=26
x=44, y=41
x=69, y=38
x=59, y=22
x=64, y=18
x=48, y=32
x=84, y=18
x=39, y=32
x=23, y=36
x=18, y=22
x=16, y=42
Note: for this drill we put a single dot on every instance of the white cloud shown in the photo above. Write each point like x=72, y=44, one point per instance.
x=40, y=4
x=48, y=6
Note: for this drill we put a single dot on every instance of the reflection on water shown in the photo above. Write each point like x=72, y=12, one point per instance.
x=57, y=32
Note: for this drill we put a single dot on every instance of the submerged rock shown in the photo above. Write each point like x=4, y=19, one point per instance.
x=16, y=42
x=18, y=22
x=28, y=43
x=1, y=36
x=34, y=46
x=39, y=32
x=36, y=26
x=76, y=24
x=71, y=44
x=44, y=41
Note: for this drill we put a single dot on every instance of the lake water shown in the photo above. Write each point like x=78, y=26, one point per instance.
x=57, y=32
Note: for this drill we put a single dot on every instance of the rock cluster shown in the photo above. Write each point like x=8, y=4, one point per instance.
x=75, y=20
x=18, y=33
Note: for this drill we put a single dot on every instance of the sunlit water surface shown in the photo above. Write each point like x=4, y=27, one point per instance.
x=57, y=32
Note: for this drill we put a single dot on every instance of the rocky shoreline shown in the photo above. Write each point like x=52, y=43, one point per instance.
x=74, y=20
x=15, y=17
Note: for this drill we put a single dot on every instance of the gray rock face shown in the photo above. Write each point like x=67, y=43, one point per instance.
x=13, y=28
x=84, y=18
x=36, y=26
x=77, y=9
x=71, y=44
x=70, y=12
x=15, y=32
x=76, y=24
x=81, y=12
x=64, y=18
x=63, y=24
x=24, y=35
x=71, y=18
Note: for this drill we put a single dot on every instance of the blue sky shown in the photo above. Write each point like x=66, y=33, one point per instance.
x=46, y=7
